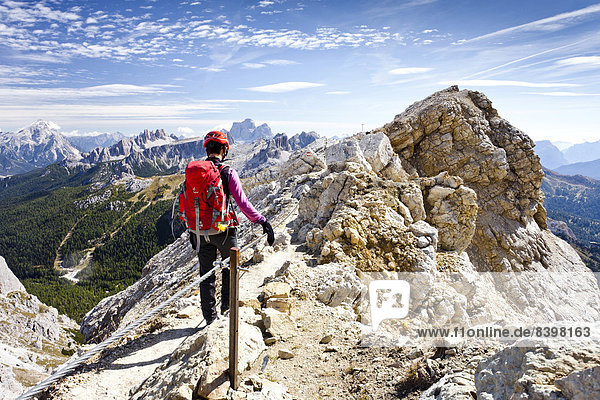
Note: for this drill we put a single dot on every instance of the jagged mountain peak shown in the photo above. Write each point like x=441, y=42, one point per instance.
x=247, y=131
x=40, y=125
x=34, y=146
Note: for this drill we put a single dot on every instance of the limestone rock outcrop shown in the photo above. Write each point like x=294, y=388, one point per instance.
x=459, y=132
x=8, y=281
x=539, y=373
x=202, y=361
x=34, y=338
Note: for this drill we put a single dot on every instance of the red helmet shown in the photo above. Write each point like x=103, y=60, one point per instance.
x=217, y=136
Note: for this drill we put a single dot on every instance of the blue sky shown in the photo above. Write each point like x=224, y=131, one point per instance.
x=329, y=66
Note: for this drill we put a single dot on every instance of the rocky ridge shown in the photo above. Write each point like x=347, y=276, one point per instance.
x=448, y=191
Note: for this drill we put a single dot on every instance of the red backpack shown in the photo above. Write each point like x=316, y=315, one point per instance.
x=203, y=203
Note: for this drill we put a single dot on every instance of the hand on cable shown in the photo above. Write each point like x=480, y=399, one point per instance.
x=268, y=229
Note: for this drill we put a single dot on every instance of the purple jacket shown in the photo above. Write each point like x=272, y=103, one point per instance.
x=237, y=192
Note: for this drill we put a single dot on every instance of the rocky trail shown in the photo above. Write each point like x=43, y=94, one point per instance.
x=116, y=373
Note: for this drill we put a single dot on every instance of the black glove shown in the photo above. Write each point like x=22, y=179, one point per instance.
x=268, y=229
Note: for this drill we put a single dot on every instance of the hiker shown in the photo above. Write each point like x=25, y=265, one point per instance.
x=222, y=234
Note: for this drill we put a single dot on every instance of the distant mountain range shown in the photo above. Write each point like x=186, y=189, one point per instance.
x=579, y=159
x=151, y=152
x=87, y=143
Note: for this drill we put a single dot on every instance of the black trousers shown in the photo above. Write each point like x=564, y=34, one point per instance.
x=207, y=254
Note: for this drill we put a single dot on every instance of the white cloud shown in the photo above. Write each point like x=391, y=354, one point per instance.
x=549, y=24
x=253, y=65
x=177, y=60
x=81, y=114
x=265, y=3
x=590, y=60
x=562, y=94
x=41, y=94
x=415, y=3
x=338, y=92
x=146, y=7
x=492, y=82
x=281, y=62
x=284, y=87
x=210, y=69
x=429, y=30
x=186, y=131
x=409, y=70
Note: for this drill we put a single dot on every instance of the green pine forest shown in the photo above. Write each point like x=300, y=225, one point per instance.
x=121, y=232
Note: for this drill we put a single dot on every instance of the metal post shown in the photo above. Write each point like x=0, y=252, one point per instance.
x=234, y=262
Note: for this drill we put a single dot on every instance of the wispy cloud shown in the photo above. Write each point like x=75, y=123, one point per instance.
x=562, y=94
x=409, y=70
x=492, y=82
x=338, y=92
x=553, y=23
x=415, y=3
x=284, y=87
x=518, y=60
x=113, y=90
x=588, y=61
x=281, y=62
x=253, y=65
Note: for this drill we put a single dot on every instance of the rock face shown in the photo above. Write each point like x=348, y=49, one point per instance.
x=247, y=131
x=459, y=132
x=303, y=139
x=541, y=373
x=8, y=281
x=34, y=338
x=35, y=146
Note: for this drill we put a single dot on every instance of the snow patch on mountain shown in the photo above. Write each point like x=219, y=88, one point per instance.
x=34, y=146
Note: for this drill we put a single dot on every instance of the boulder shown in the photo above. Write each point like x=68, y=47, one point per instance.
x=302, y=162
x=347, y=151
x=280, y=290
x=280, y=325
x=338, y=285
x=377, y=150
x=581, y=385
x=453, y=386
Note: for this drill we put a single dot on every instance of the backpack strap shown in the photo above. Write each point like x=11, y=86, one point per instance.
x=197, y=231
x=225, y=172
